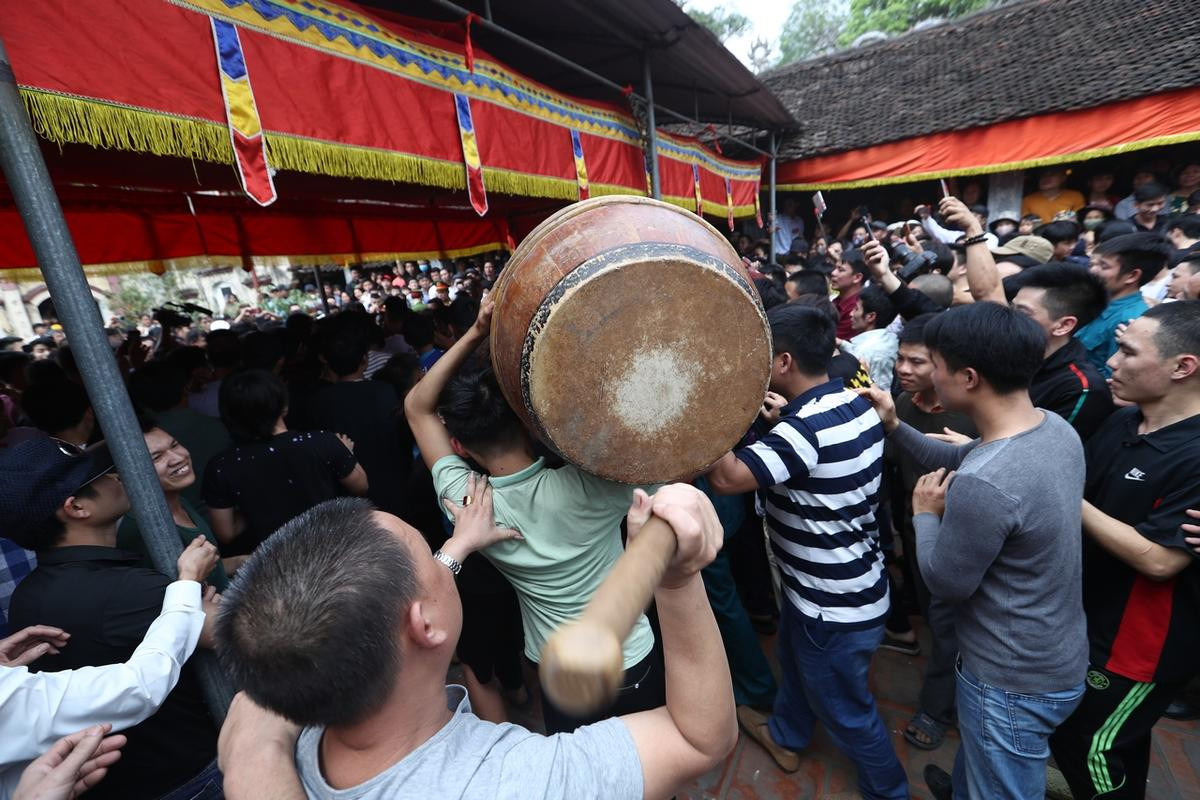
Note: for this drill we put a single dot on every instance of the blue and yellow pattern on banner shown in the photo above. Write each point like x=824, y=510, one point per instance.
x=470, y=148
x=241, y=113
x=581, y=175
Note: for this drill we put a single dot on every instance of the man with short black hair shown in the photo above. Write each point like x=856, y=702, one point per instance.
x=1149, y=200
x=1184, y=283
x=849, y=277
x=1061, y=298
x=1141, y=586
x=106, y=601
x=1000, y=540
x=346, y=623
x=806, y=281
x=819, y=470
x=1184, y=232
x=873, y=342
x=1125, y=264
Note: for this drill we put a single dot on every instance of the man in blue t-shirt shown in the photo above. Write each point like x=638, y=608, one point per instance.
x=819, y=470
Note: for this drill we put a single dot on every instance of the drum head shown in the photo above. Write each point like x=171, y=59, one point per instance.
x=646, y=363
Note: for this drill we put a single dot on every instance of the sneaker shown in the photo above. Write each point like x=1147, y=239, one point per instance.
x=755, y=723
x=939, y=782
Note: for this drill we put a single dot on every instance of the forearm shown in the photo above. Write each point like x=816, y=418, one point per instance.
x=423, y=397
x=40, y=708
x=982, y=275
x=268, y=773
x=938, y=232
x=929, y=453
x=699, y=694
x=1123, y=541
x=730, y=476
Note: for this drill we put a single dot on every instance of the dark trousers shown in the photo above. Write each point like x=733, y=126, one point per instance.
x=939, y=687
x=753, y=683
x=208, y=785
x=1103, y=749
x=642, y=689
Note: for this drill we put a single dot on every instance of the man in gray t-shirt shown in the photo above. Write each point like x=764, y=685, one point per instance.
x=345, y=623
x=1001, y=540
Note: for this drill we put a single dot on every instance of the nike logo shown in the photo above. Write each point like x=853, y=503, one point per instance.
x=1135, y=474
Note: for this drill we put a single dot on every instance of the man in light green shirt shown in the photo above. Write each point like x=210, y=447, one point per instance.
x=569, y=520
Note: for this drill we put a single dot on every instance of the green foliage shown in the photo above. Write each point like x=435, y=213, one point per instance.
x=141, y=294
x=898, y=16
x=723, y=24
x=812, y=29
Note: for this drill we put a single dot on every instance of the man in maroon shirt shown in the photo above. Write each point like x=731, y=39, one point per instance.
x=848, y=278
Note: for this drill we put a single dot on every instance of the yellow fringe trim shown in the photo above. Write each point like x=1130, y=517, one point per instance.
x=62, y=119
x=711, y=208
x=1082, y=155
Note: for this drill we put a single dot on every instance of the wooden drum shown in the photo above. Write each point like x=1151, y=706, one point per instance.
x=628, y=336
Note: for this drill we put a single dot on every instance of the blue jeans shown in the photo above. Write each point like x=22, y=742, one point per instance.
x=825, y=678
x=1005, y=739
x=208, y=785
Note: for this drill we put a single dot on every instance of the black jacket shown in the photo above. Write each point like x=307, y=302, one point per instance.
x=1070, y=386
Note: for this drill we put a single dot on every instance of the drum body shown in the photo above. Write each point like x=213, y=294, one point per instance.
x=628, y=336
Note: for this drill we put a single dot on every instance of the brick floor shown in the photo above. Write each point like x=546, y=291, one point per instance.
x=895, y=679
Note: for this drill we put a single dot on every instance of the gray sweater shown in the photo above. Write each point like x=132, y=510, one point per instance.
x=1008, y=553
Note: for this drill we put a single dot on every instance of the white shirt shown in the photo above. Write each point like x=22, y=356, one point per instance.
x=39, y=708
x=878, y=349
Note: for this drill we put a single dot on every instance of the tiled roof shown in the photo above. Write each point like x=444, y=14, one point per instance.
x=1018, y=60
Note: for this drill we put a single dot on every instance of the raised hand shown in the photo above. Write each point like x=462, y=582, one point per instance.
x=197, y=560
x=883, y=405
x=29, y=644
x=75, y=764
x=474, y=524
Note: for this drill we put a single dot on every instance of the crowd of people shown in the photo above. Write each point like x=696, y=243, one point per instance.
x=987, y=420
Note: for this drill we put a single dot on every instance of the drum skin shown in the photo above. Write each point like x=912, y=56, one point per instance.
x=628, y=336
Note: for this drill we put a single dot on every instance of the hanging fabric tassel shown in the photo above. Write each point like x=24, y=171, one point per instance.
x=470, y=149
x=581, y=174
x=241, y=115
x=710, y=128
x=757, y=206
x=699, y=196
x=729, y=201
x=467, y=42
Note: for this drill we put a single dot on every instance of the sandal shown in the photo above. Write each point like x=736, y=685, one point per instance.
x=890, y=642
x=923, y=725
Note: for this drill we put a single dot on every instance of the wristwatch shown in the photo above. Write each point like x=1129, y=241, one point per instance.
x=451, y=562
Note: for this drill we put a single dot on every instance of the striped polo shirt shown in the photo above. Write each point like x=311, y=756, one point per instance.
x=820, y=469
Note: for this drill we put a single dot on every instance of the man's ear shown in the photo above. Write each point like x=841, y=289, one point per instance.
x=459, y=450
x=973, y=381
x=1185, y=366
x=422, y=629
x=74, y=508
x=1065, y=325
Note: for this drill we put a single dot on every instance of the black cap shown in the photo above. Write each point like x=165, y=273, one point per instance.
x=37, y=475
x=879, y=225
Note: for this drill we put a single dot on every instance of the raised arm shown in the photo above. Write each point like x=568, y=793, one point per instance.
x=930, y=453
x=982, y=276
x=697, y=727
x=420, y=405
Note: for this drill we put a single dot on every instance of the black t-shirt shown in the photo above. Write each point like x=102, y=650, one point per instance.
x=1070, y=385
x=273, y=481
x=106, y=602
x=1142, y=629
x=370, y=413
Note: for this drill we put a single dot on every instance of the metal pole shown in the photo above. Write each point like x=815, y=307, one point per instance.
x=487, y=10
x=771, y=200
x=652, y=133
x=22, y=163
x=566, y=62
x=321, y=289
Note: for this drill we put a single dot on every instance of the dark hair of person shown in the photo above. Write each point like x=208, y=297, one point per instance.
x=1147, y=252
x=264, y=349
x=1063, y=230
x=854, y=260
x=944, y=253
x=770, y=293
x=345, y=350
x=396, y=309
x=807, y=333
x=476, y=412
x=402, y=371
x=1003, y=346
x=875, y=301
x=223, y=349
x=309, y=630
x=774, y=272
x=251, y=401
x=913, y=331
x=1071, y=290
x=819, y=301
x=1112, y=228
x=52, y=401
x=187, y=359
x=8, y=341
x=1178, y=328
x=1188, y=225
x=157, y=386
x=462, y=311
x=418, y=330
x=808, y=281
x=299, y=326
x=48, y=533
x=1149, y=191
x=12, y=366
x=937, y=288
